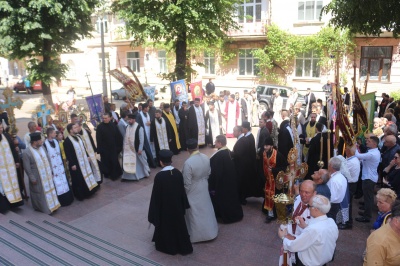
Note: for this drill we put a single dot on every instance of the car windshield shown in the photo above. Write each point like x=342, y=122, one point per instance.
x=260, y=89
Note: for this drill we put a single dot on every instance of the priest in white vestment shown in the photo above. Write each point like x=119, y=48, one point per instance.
x=64, y=193
x=232, y=112
x=134, y=162
x=277, y=108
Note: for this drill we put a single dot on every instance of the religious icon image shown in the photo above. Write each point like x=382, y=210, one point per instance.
x=63, y=117
x=178, y=89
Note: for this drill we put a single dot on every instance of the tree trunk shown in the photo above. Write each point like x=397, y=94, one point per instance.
x=180, y=51
x=46, y=59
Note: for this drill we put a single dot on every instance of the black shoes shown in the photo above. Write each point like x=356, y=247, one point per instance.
x=269, y=219
x=361, y=208
x=345, y=226
x=362, y=220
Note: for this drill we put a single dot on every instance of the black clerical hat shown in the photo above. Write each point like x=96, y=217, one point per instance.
x=246, y=125
x=191, y=144
x=132, y=116
x=165, y=156
x=268, y=141
x=35, y=136
x=197, y=99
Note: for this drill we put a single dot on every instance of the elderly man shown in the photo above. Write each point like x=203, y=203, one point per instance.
x=337, y=184
x=317, y=242
x=382, y=244
x=196, y=123
x=321, y=178
x=370, y=161
x=301, y=212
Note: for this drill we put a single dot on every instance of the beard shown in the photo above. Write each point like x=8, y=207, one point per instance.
x=312, y=123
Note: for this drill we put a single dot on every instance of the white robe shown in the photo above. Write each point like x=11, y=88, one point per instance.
x=214, y=124
x=200, y=217
x=277, y=108
x=57, y=165
x=146, y=119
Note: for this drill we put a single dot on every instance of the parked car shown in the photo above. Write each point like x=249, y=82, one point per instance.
x=265, y=93
x=121, y=93
x=21, y=86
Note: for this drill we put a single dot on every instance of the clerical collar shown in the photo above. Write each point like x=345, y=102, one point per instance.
x=167, y=168
x=159, y=120
x=144, y=113
x=241, y=135
x=247, y=134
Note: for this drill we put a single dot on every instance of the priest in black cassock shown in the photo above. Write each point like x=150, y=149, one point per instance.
x=285, y=136
x=83, y=182
x=183, y=114
x=223, y=184
x=109, y=146
x=144, y=120
x=315, y=153
x=196, y=123
x=167, y=209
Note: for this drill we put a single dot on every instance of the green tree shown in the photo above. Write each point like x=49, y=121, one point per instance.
x=276, y=59
x=177, y=22
x=365, y=16
x=40, y=30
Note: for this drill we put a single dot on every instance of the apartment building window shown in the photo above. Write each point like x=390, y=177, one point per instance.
x=71, y=69
x=376, y=61
x=162, y=61
x=250, y=11
x=133, y=61
x=307, y=65
x=309, y=10
x=105, y=24
x=106, y=60
x=209, y=62
x=247, y=63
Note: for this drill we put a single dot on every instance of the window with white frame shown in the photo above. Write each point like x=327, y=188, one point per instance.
x=309, y=10
x=106, y=60
x=307, y=65
x=249, y=11
x=133, y=61
x=162, y=61
x=376, y=61
x=209, y=62
x=247, y=63
x=104, y=22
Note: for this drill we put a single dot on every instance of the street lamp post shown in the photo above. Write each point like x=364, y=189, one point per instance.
x=103, y=59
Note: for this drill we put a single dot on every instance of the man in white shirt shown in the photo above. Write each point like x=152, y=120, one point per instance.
x=370, y=161
x=337, y=184
x=354, y=167
x=317, y=242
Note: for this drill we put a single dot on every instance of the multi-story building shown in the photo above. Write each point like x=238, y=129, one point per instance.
x=378, y=57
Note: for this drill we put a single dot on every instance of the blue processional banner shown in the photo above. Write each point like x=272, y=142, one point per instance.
x=178, y=90
x=96, y=108
x=151, y=92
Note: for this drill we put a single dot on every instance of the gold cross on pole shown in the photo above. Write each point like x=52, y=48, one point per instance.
x=9, y=105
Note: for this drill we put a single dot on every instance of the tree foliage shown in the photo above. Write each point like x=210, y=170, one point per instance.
x=365, y=16
x=40, y=30
x=179, y=22
x=276, y=59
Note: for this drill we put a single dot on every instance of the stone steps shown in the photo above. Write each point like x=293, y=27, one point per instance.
x=44, y=240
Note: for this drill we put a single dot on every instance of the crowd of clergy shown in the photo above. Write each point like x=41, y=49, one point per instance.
x=187, y=204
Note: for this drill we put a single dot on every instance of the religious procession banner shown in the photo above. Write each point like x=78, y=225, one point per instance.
x=178, y=90
x=133, y=89
x=151, y=92
x=342, y=122
x=43, y=111
x=368, y=101
x=196, y=89
x=96, y=108
x=360, y=114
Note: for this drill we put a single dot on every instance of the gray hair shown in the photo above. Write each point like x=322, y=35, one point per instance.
x=325, y=178
x=392, y=128
x=321, y=203
x=335, y=163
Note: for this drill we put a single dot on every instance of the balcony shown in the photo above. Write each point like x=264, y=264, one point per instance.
x=254, y=30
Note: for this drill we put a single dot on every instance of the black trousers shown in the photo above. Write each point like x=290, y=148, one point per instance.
x=335, y=208
x=352, y=192
x=368, y=187
x=298, y=261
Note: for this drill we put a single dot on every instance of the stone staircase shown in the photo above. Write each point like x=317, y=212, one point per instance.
x=45, y=240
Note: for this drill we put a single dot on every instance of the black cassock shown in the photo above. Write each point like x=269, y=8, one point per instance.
x=109, y=146
x=223, y=187
x=79, y=186
x=183, y=127
x=146, y=145
x=5, y=205
x=193, y=128
x=167, y=209
x=285, y=142
x=314, y=153
x=172, y=145
x=244, y=153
